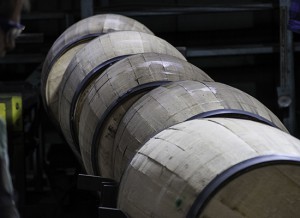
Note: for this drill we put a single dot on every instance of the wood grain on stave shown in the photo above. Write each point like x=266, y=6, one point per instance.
x=174, y=103
x=70, y=41
x=95, y=53
x=270, y=191
x=175, y=165
x=115, y=82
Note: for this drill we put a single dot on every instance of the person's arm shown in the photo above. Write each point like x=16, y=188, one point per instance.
x=7, y=203
x=294, y=22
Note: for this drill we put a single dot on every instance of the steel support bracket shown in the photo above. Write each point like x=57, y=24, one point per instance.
x=108, y=188
x=106, y=212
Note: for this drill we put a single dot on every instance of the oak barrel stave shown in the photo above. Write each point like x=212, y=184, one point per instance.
x=174, y=103
x=66, y=46
x=175, y=165
x=117, y=81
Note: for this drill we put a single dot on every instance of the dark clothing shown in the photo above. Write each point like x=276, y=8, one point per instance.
x=294, y=22
x=7, y=204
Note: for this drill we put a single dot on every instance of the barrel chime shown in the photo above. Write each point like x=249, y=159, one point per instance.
x=179, y=144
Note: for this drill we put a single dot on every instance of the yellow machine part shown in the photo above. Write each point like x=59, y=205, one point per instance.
x=16, y=113
x=3, y=112
x=11, y=111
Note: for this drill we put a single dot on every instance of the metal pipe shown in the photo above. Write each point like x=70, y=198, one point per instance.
x=179, y=10
x=286, y=90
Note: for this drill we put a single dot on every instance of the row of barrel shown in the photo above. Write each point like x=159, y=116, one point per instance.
x=181, y=145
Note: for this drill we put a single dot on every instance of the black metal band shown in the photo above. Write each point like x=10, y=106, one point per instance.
x=81, y=87
x=71, y=44
x=129, y=94
x=233, y=172
x=58, y=55
x=234, y=113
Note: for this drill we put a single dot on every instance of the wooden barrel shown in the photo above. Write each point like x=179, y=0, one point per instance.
x=214, y=167
x=91, y=61
x=67, y=45
x=176, y=102
x=111, y=94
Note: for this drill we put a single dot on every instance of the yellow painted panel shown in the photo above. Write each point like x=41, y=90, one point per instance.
x=16, y=112
x=3, y=111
